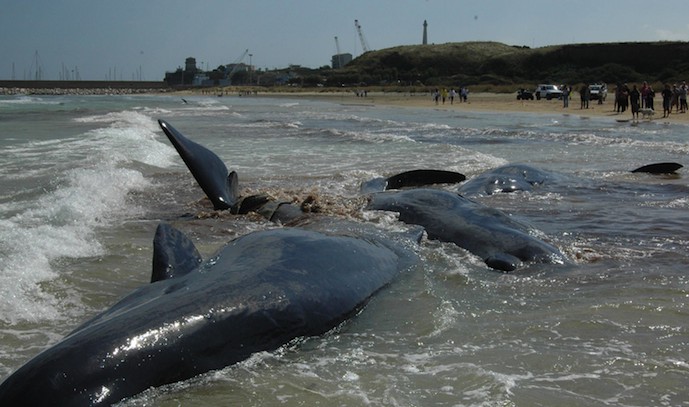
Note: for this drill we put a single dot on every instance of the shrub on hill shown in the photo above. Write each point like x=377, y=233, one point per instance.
x=482, y=63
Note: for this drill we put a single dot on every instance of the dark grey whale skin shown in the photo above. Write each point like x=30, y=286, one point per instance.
x=502, y=242
x=508, y=178
x=259, y=292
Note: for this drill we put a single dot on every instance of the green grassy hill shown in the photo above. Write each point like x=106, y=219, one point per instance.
x=491, y=63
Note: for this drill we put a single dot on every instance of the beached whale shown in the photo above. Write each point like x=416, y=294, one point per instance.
x=526, y=178
x=508, y=178
x=259, y=292
x=501, y=241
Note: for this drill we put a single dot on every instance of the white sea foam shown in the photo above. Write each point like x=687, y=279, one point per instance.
x=62, y=224
x=89, y=185
x=28, y=100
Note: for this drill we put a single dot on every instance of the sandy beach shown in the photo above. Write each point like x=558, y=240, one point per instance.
x=487, y=102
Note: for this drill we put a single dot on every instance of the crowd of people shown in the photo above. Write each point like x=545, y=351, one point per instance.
x=635, y=98
x=444, y=95
x=674, y=97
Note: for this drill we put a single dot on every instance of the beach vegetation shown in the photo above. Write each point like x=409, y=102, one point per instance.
x=493, y=63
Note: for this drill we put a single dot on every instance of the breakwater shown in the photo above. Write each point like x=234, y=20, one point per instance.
x=9, y=87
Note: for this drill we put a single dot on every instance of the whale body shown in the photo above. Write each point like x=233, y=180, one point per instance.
x=502, y=242
x=259, y=292
x=508, y=178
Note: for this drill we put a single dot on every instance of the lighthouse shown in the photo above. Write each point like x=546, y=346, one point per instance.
x=425, y=32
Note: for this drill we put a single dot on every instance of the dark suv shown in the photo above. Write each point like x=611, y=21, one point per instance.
x=523, y=94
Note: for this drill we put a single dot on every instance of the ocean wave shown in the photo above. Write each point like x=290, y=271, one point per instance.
x=29, y=100
x=122, y=118
x=61, y=224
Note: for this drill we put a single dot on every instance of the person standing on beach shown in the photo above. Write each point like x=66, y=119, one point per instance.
x=644, y=93
x=565, y=96
x=674, y=102
x=667, y=100
x=452, y=96
x=634, y=101
x=648, y=99
x=683, y=97
x=585, y=95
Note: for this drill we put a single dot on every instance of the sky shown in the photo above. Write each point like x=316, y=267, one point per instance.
x=142, y=39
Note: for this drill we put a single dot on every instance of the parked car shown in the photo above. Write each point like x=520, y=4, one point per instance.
x=598, y=91
x=523, y=94
x=548, y=92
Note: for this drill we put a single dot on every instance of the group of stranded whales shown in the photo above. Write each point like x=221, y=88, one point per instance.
x=267, y=288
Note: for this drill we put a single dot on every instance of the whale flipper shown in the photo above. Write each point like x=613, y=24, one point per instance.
x=419, y=178
x=502, y=261
x=413, y=178
x=659, y=168
x=206, y=167
x=174, y=255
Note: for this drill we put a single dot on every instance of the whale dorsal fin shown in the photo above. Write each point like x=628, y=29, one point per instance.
x=207, y=168
x=174, y=254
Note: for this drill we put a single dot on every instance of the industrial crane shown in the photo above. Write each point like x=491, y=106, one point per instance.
x=364, y=45
x=235, y=65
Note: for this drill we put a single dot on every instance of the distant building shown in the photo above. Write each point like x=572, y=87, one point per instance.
x=190, y=65
x=340, y=60
x=183, y=77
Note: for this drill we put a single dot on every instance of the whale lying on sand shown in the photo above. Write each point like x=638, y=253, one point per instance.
x=526, y=178
x=259, y=292
x=508, y=178
x=502, y=242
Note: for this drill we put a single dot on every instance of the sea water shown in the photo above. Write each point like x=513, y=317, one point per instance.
x=84, y=181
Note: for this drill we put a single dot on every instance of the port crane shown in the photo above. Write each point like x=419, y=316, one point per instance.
x=364, y=44
x=235, y=64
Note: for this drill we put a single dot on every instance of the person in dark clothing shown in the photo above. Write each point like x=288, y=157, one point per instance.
x=634, y=101
x=648, y=98
x=667, y=100
x=585, y=95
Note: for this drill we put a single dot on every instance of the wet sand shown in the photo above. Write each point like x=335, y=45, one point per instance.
x=488, y=102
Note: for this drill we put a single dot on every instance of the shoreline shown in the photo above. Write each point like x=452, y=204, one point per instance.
x=487, y=102
x=477, y=102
